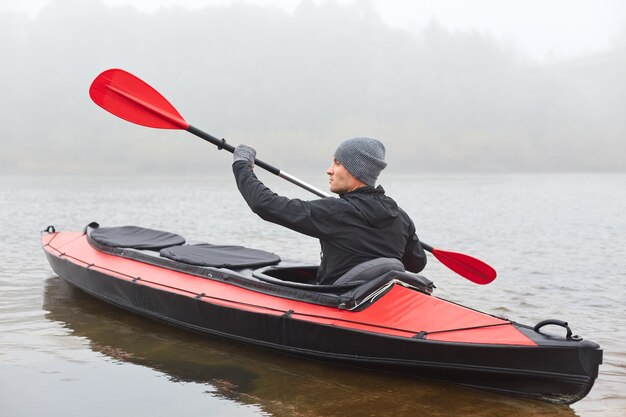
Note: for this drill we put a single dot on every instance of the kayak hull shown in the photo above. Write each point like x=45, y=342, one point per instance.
x=556, y=372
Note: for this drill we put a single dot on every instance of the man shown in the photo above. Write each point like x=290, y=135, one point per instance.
x=361, y=225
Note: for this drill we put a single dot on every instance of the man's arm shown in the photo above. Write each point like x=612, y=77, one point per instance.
x=294, y=213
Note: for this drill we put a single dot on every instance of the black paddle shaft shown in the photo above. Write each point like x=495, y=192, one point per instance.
x=222, y=144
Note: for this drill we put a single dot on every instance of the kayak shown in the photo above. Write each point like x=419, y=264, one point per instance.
x=380, y=317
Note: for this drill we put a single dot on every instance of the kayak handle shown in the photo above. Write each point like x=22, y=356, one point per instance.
x=568, y=335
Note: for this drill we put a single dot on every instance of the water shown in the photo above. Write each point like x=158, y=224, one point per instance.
x=557, y=241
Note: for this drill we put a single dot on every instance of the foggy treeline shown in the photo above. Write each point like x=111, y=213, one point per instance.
x=294, y=85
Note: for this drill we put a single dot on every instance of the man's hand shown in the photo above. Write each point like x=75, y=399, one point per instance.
x=244, y=153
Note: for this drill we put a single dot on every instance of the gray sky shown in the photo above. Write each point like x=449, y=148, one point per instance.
x=546, y=30
x=293, y=78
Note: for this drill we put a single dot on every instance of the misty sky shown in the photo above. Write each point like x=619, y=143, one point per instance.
x=528, y=87
x=546, y=30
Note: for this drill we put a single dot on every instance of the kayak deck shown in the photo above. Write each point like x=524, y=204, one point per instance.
x=405, y=313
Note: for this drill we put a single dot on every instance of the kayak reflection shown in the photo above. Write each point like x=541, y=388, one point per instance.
x=279, y=384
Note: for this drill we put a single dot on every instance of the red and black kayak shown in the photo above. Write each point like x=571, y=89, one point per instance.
x=380, y=318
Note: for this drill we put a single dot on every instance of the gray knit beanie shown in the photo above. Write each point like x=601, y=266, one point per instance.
x=363, y=157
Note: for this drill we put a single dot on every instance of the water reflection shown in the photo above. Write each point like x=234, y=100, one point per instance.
x=279, y=384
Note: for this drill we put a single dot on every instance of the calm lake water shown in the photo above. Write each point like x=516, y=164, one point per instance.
x=557, y=241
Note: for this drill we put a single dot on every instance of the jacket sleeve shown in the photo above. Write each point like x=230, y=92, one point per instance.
x=294, y=214
x=414, y=258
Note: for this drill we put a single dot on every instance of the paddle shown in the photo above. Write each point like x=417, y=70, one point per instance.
x=128, y=97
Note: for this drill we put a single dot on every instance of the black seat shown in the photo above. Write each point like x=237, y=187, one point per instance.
x=135, y=237
x=220, y=256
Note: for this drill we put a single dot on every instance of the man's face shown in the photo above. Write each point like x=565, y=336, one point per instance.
x=341, y=181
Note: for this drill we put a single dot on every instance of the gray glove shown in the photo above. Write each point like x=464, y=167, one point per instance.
x=244, y=153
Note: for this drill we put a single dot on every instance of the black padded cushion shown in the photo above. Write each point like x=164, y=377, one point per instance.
x=370, y=270
x=220, y=256
x=135, y=237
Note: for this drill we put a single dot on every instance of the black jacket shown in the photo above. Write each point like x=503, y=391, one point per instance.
x=359, y=226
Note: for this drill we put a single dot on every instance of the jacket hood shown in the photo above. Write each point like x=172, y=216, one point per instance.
x=377, y=209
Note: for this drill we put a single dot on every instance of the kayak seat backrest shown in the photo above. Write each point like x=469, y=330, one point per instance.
x=134, y=237
x=220, y=256
x=369, y=270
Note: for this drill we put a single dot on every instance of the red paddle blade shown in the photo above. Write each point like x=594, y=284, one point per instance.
x=128, y=97
x=471, y=268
